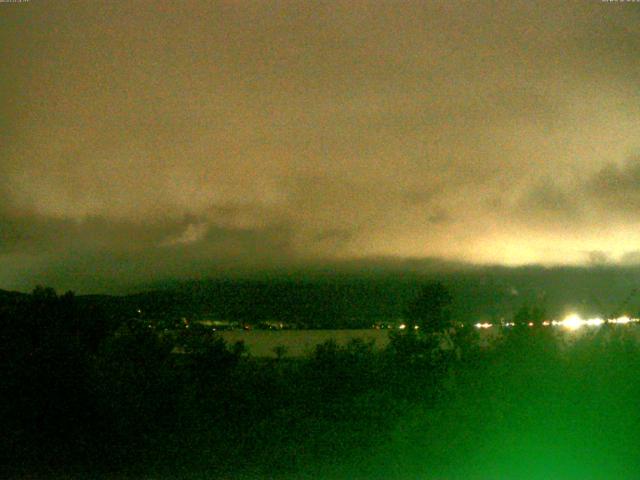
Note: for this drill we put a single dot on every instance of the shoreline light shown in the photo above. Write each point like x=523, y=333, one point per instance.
x=573, y=321
x=483, y=325
x=570, y=322
x=622, y=320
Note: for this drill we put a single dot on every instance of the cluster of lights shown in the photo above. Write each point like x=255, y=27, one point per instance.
x=572, y=322
x=402, y=326
x=623, y=320
x=484, y=325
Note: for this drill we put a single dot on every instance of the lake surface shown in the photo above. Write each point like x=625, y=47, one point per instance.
x=261, y=343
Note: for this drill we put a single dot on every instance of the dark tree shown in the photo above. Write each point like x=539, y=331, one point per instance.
x=529, y=314
x=431, y=310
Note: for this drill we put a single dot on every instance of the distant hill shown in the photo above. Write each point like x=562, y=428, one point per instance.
x=352, y=299
x=360, y=299
x=8, y=297
x=10, y=294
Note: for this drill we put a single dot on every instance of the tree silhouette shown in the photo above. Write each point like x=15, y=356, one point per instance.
x=529, y=314
x=431, y=310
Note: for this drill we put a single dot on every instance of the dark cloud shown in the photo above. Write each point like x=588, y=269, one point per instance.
x=187, y=134
x=607, y=195
x=334, y=235
x=598, y=257
x=82, y=258
x=439, y=216
x=33, y=233
x=617, y=187
x=421, y=197
x=548, y=203
x=549, y=198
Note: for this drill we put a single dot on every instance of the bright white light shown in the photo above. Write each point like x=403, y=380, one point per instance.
x=402, y=326
x=620, y=320
x=594, y=322
x=483, y=325
x=572, y=322
x=546, y=323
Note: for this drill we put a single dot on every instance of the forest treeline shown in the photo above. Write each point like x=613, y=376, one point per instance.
x=87, y=391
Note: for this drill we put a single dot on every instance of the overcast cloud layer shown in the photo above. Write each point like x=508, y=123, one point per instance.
x=144, y=140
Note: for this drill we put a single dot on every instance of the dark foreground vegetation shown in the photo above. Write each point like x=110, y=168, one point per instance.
x=89, y=394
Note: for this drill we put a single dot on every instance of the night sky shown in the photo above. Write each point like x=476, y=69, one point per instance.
x=149, y=140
